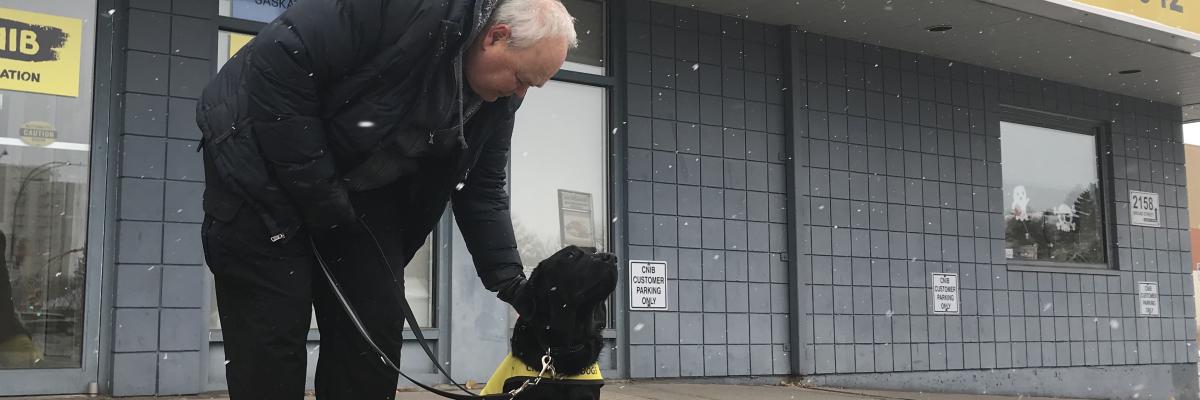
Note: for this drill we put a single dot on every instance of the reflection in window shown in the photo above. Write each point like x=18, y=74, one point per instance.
x=254, y=10
x=589, y=28
x=45, y=143
x=418, y=281
x=559, y=171
x=1053, y=214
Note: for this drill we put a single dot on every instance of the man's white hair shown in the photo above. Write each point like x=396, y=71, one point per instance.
x=534, y=20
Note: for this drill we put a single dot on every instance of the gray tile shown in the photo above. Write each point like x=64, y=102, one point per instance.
x=641, y=361
x=177, y=373
x=146, y=115
x=191, y=37
x=714, y=328
x=136, y=330
x=183, y=162
x=762, y=360
x=843, y=328
x=138, y=285
x=182, y=201
x=920, y=357
x=691, y=360
x=147, y=73
x=760, y=328
x=739, y=359
x=134, y=374
x=139, y=242
x=141, y=199
x=902, y=357
x=845, y=357
x=666, y=328
x=189, y=77
x=641, y=328
x=823, y=327
x=182, y=329
x=182, y=286
x=716, y=360
x=937, y=356
x=714, y=296
x=149, y=31
x=666, y=358
x=690, y=296
x=691, y=328
x=738, y=328
x=181, y=244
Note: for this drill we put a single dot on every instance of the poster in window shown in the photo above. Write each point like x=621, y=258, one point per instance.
x=40, y=53
x=575, y=218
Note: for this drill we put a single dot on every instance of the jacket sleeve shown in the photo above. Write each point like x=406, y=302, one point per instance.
x=481, y=208
x=313, y=44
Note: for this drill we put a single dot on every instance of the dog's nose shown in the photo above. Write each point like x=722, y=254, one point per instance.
x=607, y=258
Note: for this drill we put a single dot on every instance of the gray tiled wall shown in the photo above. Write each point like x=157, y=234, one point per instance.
x=707, y=192
x=159, y=324
x=904, y=165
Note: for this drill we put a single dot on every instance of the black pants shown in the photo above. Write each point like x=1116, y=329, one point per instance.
x=265, y=291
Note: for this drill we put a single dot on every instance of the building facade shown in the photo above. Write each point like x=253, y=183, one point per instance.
x=856, y=195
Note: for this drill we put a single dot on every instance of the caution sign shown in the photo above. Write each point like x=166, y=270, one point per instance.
x=1148, y=298
x=40, y=53
x=945, y=293
x=38, y=134
x=647, y=285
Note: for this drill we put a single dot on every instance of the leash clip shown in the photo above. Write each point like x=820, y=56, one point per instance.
x=547, y=366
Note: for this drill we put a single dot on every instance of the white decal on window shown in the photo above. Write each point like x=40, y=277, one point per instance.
x=1066, y=216
x=1020, y=204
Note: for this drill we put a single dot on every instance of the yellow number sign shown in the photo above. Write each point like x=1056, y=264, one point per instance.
x=1181, y=14
x=40, y=53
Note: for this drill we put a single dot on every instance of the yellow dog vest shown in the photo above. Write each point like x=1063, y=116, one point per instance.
x=512, y=369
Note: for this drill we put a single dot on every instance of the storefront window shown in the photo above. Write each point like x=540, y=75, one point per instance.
x=589, y=29
x=1054, y=214
x=254, y=10
x=559, y=171
x=418, y=281
x=46, y=66
x=589, y=26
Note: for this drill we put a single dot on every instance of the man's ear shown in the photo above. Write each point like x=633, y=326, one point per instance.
x=497, y=35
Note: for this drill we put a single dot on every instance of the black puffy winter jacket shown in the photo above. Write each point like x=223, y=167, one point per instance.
x=331, y=84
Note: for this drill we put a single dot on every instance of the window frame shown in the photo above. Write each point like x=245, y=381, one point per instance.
x=1102, y=133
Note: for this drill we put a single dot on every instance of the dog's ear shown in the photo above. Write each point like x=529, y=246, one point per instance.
x=589, y=250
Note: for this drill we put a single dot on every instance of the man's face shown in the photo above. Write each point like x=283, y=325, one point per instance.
x=494, y=69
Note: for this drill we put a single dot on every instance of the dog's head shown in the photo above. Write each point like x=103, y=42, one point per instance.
x=569, y=289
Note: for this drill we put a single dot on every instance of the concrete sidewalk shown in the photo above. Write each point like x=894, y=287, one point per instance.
x=620, y=390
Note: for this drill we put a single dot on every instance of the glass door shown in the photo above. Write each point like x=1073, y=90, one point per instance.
x=48, y=296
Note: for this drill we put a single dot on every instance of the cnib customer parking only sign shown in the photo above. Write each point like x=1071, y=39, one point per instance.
x=647, y=285
x=945, y=293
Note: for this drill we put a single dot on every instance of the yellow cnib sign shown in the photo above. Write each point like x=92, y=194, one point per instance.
x=1180, y=14
x=237, y=41
x=39, y=53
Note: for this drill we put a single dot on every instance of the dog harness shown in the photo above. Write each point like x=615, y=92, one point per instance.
x=513, y=372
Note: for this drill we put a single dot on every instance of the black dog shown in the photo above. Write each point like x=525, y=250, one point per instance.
x=569, y=289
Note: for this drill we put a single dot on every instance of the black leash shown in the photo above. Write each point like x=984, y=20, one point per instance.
x=412, y=323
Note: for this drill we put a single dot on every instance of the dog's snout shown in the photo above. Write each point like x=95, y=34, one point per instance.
x=607, y=258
